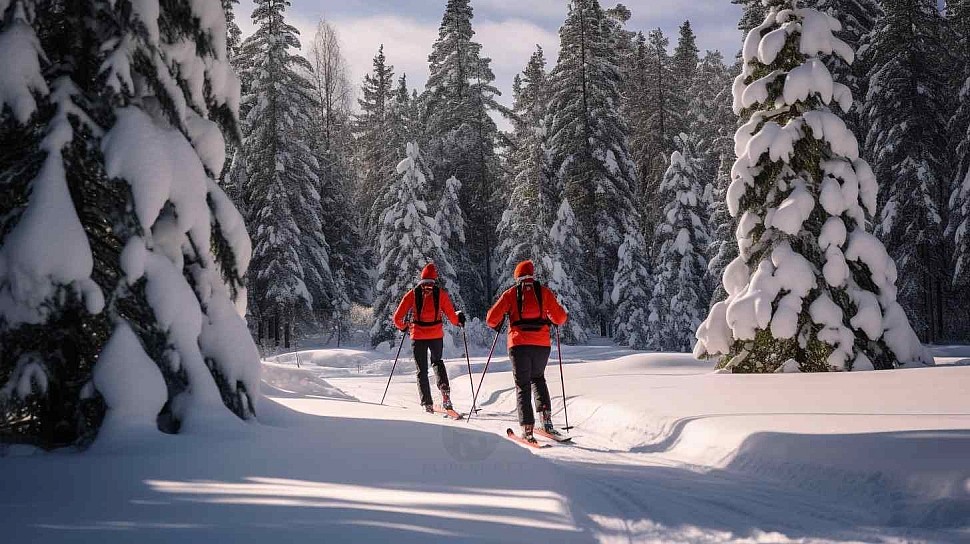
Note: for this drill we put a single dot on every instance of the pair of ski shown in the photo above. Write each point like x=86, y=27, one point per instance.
x=538, y=432
x=452, y=414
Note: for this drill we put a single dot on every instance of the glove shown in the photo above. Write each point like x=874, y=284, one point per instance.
x=498, y=328
x=461, y=319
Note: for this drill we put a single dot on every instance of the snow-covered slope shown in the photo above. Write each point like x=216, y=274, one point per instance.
x=666, y=451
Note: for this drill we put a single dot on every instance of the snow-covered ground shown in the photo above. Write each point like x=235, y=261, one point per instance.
x=665, y=451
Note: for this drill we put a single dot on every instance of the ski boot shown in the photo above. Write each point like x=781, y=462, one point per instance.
x=547, y=425
x=446, y=401
x=429, y=408
x=527, y=434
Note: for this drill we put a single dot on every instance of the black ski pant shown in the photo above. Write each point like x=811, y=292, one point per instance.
x=529, y=372
x=421, y=349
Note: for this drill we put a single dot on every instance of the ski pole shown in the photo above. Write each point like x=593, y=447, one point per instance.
x=562, y=381
x=468, y=361
x=485, y=370
x=401, y=345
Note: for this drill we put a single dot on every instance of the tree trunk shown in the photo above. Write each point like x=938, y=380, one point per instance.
x=276, y=329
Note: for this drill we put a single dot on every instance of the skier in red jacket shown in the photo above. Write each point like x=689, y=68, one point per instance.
x=531, y=309
x=427, y=303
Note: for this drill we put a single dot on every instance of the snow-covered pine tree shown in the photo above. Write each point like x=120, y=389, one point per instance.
x=632, y=291
x=683, y=66
x=624, y=43
x=811, y=288
x=958, y=22
x=588, y=143
x=958, y=221
x=680, y=295
x=566, y=279
x=450, y=225
x=409, y=239
x=405, y=118
x=292, y=283
x=376, y=158
x=709, y=116
x=121, y=259
x=460, y=97
x=653, y=115
x=906, y=114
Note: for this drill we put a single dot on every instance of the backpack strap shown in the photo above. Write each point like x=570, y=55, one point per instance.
x=534, y=323
x=419, y=305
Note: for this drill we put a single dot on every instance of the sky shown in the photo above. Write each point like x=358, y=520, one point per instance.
x=508, y=30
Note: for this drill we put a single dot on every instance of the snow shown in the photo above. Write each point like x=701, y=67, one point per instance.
x=666, y=451
x=48, y=246
x=28, y=377
x=793, y=211
x=131, y=384
x=177, y=176
x=21, y=76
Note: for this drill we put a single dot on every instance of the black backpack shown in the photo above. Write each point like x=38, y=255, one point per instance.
x=419, y=304
x=533, y=324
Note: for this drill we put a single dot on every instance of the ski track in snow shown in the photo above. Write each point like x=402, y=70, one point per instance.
x=329, y=463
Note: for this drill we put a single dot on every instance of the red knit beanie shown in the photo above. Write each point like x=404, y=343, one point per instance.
x=430, y=272
x=525, y=268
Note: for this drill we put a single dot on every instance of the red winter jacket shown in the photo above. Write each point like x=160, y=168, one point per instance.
x=426, y=332
x=507, y=304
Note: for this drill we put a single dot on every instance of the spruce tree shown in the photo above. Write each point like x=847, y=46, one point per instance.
x=632, y=291
x=588, y=143
x=450, y=225
x=117, y=246
x=684, y=66
x=460, y=97
x=566, y=280
x=292, y=284
x=653, y=117
x=681, y=295
x=958, y=221
x=811, y=287
x=376, y=157
x=409, y=239
x=709, y=118
x=905, y=113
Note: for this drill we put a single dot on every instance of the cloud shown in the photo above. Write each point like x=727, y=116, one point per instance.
x=407, y=43
x=507, y=29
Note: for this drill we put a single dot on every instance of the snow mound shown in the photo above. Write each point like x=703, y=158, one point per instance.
x=299, y=381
